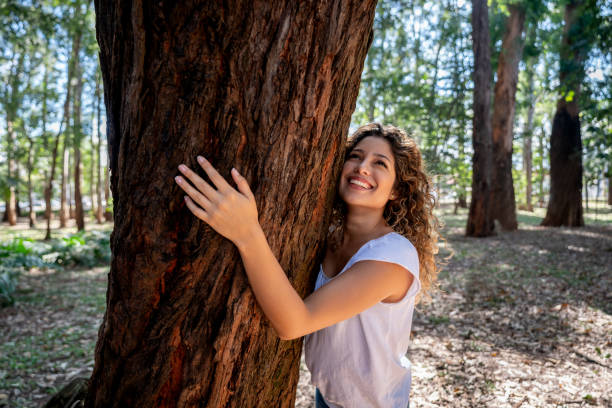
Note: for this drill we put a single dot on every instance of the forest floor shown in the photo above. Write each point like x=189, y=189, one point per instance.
x=523, y=319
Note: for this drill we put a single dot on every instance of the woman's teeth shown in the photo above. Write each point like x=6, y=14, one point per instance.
x=359, y=183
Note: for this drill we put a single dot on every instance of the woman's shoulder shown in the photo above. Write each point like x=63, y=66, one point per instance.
x=395, y=240
x=395, y=248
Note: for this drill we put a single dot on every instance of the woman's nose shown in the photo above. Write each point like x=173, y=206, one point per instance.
x=363, y=168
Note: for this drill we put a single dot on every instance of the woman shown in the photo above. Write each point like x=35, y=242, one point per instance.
x=379, y=258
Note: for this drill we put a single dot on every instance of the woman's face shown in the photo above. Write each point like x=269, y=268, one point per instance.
x=368, y=174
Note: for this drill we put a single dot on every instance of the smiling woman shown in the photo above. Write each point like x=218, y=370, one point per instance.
x=380, y=257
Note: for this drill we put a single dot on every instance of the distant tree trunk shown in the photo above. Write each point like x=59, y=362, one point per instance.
x=69, y=184
x=586, y=193
x=10, y=214
x=77, y=133
x=268, y=88
x=541, y=136
x=63, y=124
x=99, y=209
x=47, y=189
x=480, y=223
x=528, y=135
x=12, y=102
x=503, y=205
x=565, y=202
x=609, y=185
x=64, y=214
x=31, y=212
x=108, y=213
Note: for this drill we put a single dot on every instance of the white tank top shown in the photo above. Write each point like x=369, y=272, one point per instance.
x=360, y=362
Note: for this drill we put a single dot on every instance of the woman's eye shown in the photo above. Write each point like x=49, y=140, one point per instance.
x=382, y=163
x=353, y=156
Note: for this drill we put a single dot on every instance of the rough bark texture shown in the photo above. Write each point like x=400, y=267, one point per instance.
x=565, y=202
x=503, y=205
x=267, y=88
x=479, y=222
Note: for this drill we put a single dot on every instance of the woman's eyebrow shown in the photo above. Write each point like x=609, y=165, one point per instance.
x=382, y=155
x=375, y=154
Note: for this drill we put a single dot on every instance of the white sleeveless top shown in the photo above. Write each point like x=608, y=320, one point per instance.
x=360, y=362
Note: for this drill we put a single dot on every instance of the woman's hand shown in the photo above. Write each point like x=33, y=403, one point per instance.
x=231, y=213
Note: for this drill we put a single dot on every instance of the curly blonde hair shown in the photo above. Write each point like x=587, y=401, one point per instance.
x=411, y=213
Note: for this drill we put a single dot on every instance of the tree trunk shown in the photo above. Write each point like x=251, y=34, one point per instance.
x=64, y=214
x=565, y=202
x=480, y=223
x=99, y=209
x=503, y=205
x=31, y=212
x=12, y=105
x=77, y=133
x=541, y=137
x=108, y=214
x=269, y=89
x=528, y=135
x=609, y=185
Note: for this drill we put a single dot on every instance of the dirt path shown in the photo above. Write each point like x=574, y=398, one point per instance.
x=524, y=319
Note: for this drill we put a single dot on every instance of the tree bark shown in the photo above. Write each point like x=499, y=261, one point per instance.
x=565, y=201
x=480, y=223
x=269, y=89
x=503, y=204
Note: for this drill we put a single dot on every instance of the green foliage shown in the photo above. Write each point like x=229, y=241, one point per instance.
x=85, y=249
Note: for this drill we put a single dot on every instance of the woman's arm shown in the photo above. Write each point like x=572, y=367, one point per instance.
x=234, y=215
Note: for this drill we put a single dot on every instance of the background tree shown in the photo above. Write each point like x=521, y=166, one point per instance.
x=565, y=203
x=480, y=223
x=267, y=88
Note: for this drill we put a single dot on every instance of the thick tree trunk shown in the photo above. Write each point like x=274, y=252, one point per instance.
x=565, y=202
x=480, y=223
x=541, y=137
x=268, y=88
x=77, y=133
x=503, y=205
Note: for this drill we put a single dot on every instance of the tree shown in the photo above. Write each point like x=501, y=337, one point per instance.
x=565, y=203
x=267, y=88
x=503, y=206
x=480, y=223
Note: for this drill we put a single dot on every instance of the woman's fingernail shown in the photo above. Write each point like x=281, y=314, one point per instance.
x=178, y=179
x=234, y=170
x=182, y=167
x=186, y=198
x=200, y=159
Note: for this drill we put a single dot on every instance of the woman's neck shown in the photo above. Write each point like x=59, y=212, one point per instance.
x=363, y=225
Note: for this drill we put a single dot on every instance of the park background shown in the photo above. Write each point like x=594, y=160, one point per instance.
x=523, y=317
